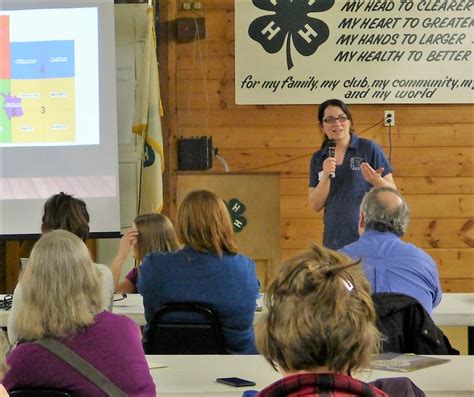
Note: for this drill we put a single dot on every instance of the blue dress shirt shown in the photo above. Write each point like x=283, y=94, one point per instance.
x=392, y=265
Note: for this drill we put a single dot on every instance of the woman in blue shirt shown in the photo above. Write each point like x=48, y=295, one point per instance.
x=207, y=270
x=338, y=183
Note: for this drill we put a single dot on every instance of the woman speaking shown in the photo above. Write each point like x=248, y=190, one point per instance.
x=341, y=172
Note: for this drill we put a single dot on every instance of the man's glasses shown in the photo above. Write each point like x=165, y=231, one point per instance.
x=6, y=302
x=124, y=296
x=331, y=120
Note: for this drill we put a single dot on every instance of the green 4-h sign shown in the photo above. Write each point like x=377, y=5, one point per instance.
x=236, y=208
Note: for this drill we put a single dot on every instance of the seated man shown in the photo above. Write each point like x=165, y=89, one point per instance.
x=390, y=264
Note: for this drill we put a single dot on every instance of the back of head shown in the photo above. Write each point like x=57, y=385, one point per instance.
x=204, y=223
x=385, y=210
x=156, y=233
x=320, y=314
x=63, y=211
x=60, y=286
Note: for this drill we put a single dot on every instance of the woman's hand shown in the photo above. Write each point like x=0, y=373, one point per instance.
x=374, y=177
x=126, y=242
x=329, y=166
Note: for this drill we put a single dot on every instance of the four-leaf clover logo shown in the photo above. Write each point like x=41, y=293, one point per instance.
x=149, y=155
x=236, y=208
x=290, y=22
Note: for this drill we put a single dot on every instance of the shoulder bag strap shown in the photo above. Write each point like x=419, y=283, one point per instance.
x=82, y=366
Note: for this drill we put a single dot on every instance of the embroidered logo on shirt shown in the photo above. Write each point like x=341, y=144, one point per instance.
x=355, y=163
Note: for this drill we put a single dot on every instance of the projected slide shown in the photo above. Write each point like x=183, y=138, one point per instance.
x=40, y=96
x=58, y=118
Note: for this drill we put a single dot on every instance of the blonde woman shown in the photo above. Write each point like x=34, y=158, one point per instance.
x=207, y=270
x=63, y=211
x=62, y=300
x=149, y=233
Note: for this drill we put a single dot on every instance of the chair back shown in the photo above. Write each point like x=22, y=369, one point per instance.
x=407, y=327
x=169, y=333
x=39, y=393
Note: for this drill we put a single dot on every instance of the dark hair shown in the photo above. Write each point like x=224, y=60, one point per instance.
x=63, y=211
x=339, y=104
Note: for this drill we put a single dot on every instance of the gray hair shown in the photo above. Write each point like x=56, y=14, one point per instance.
x=383, y=217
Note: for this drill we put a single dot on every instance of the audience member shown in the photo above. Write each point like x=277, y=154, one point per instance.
x=207, y=270
x=149, y=233
x=320, y=328
x=62, y=301
x=390, y=264
x=63, y=211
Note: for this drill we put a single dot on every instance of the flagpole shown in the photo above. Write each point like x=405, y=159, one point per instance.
x=140, y=179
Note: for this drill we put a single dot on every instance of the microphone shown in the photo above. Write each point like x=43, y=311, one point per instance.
x=332, y=153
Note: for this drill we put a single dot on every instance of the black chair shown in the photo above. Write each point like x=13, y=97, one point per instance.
x=39, y=393
x=168, y=333
x=407, y=327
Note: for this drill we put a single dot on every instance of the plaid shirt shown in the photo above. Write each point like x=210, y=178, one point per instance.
x=318, y=385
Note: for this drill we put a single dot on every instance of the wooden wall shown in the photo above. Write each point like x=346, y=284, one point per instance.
x=432, y=150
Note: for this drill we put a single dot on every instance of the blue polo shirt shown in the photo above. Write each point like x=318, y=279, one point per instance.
x=341, y=211
x=391, y=265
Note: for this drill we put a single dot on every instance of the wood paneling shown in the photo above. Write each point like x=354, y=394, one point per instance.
x=441, y=206
x=407, y=185
x=423, y=232
x=431, y=147
x=457, y=285
x=407, y=162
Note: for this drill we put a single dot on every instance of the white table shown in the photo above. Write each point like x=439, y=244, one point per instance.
x=131, y=306
x=455, y=309
x=195, y=375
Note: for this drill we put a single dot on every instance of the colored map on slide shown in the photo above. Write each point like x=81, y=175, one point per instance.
x=37, y=90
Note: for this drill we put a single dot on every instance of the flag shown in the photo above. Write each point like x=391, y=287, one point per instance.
x=147, y=123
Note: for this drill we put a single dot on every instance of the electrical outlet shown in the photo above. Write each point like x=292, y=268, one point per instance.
x=186, y=5
x=389, y=118
x=197, y=5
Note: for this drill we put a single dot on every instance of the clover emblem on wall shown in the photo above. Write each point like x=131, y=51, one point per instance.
x=291, y=23
x=236, y=208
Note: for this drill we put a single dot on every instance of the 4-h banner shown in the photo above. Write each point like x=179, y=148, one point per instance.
x=147, y=122
x=361, y=51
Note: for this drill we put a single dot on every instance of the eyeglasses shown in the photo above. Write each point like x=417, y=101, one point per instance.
x=124, y=296
x=6, y=302
x=332, y=120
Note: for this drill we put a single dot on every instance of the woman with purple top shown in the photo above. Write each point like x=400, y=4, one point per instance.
x=62, y=301
x=149, y=233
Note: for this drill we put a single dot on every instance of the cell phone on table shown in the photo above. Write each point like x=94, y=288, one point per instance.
x=236, y=382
